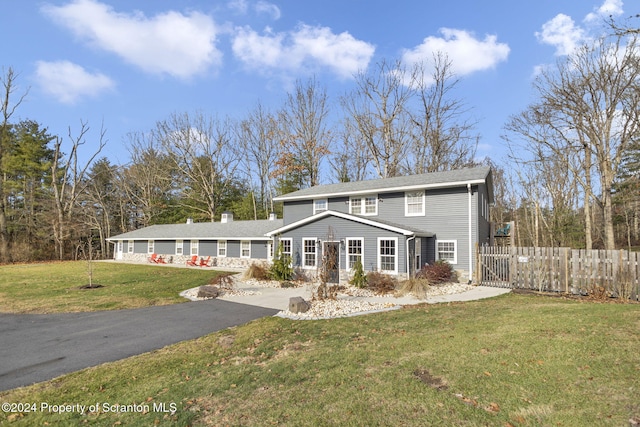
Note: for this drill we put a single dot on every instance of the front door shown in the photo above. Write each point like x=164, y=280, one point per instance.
x=331, y=259
x=120, y=249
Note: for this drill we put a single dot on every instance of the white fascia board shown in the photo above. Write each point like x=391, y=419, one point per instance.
x=115, y=239
x=343, y=215
x=382, y=190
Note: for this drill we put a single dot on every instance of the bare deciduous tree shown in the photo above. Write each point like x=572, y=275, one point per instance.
x=304, y=133
x=68, y=182
x=7, y=107
x=258, y=137
x=442, y=136
x=206, y=156
x=590, y=107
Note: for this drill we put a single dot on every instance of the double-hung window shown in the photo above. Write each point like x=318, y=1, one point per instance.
x=222, y=248
x=245, y=249
x=309, y=250
x=130, y=248
x=388, y=255
x=150, y=246
x=414, y=203
x=195, y=245
x=354, y=252
x=363, y=205
x=320, y=205
x=179, y=246
x=447, y=250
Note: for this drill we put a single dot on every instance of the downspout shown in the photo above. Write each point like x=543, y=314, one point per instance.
x=408, y=257
x=470, y=235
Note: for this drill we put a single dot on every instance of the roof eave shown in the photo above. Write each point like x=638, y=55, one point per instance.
x=285, y=198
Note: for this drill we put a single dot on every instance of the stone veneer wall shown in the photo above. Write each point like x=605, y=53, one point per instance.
x=227, y=262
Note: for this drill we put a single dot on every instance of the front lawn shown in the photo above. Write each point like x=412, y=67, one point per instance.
x=56, y=287
x=515, y=360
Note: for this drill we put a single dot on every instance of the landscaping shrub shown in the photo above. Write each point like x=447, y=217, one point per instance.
x=381, y=283
x=417, y=287
x=436, y=273
x=223, y=281
x=257, y=272
x=281, y=269
x=359, y=279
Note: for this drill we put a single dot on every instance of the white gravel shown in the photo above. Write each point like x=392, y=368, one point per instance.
x=349, y=302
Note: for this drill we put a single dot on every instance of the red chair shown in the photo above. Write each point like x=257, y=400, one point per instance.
x=193, y=262
x=205, y=262
x=153, y=258
x=160, y=260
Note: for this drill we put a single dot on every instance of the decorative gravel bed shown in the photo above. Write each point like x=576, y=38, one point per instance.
x=350, y=301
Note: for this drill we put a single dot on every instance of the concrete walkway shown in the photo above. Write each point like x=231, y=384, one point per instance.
x=278, y=298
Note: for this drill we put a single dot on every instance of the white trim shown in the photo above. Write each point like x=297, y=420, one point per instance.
x=455, y=251
x=130, y=247
x=150, y=246
x=315, y=252
x=343, y=215
x=396, y=255
x=241, y=249
x=363, y=205
x=382, y=190
x=408, y=194
x=179, y=246
x=316, y=210
x=290, y=240
x=346, y=250
x=194, y=244
x=222, y=245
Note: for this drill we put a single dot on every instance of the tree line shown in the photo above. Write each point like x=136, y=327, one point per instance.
x=572, y=178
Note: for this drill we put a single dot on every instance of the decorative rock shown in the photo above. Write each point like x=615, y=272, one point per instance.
x=208, y=291
x=298, y=305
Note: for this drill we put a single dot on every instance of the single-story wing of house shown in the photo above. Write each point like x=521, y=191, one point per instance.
x=392, y=225
x=227, y=243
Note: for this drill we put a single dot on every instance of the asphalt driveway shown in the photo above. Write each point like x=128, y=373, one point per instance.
x=39, y=347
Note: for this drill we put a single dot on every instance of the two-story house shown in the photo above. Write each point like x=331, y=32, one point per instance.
x=393, y=225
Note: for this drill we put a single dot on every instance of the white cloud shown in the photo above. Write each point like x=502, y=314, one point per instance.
x=239, y=6
x=169, y=43
x=608, y=8
x=306, y=48
x=70, y=82
x=562, y=32
x=264, y=7
x=466, y=53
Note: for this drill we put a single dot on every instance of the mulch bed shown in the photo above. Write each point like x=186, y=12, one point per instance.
x=576, y=297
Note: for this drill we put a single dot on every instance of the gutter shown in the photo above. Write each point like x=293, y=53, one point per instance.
x=470, y=234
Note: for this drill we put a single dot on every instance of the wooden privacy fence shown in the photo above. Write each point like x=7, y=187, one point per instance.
x=560, y=270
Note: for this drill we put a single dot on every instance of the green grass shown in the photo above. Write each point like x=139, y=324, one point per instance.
x=55, y=287
x=515, y=360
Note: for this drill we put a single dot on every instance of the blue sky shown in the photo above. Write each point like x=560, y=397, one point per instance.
x=130, y=64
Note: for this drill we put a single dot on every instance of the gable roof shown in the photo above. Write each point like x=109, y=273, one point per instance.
x=386, y=225
x=234, y=230
x=454, y=178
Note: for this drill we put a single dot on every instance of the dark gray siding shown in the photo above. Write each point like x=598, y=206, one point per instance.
x=259, y=249
x=207, y=248
x=139, y=246
x=165, y=247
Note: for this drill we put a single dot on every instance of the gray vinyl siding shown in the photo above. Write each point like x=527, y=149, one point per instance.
x=140, y=246
x=164, y=247
x=207, y=248
x=343, y=228
x=259, y=249
x=297, y=210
